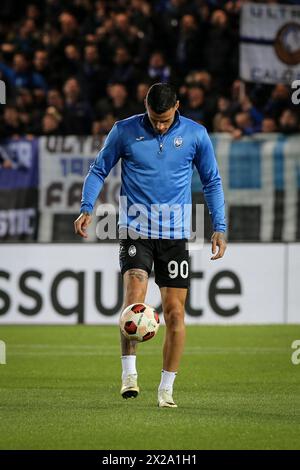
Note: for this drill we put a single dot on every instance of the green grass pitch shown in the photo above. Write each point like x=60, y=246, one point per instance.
x=237, y=389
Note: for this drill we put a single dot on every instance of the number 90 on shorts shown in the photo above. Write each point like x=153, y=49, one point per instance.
x=178, y=269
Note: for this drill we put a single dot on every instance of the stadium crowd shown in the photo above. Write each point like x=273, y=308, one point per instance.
x=75, y=67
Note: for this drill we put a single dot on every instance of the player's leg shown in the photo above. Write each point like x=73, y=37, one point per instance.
x=135, y=283
x=135, y=288
x=173, y=302
x=136, y=264
x=171, y=265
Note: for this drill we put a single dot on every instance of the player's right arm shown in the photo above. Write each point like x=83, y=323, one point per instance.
x=207, y=167
x=93, y=183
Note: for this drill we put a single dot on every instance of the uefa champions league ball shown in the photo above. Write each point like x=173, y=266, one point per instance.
x=139, y=322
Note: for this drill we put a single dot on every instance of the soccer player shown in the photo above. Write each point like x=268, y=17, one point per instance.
x=158, y=150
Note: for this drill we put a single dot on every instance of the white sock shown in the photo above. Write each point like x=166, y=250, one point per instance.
x=128, y=365
x=167, y=380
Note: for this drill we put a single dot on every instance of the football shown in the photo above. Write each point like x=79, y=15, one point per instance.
x=139, y=322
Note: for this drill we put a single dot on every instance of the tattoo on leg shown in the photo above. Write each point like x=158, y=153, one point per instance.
x=139, y=274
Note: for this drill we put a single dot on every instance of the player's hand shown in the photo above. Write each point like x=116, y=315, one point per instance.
x=218, y=240
x=81, y=224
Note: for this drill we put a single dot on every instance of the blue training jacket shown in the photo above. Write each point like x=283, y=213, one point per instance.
x=156, y=176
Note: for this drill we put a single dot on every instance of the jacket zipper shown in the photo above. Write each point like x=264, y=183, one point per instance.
x=161, y=143
x=161, y=138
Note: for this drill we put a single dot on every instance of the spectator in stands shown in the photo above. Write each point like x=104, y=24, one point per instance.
x=72, y=61
x=28, y=111
x=11, y=125
x=7, y=51
x=123, y=69
x=27, y=39
x=102, y=38
x=95, y=20
x=247, y=105
x=244, y=124
x=51, y=40
x=68, y=34
x=169, y=23
x=220, y=51
x=99, y=43
x=55, y=99
x=20, y=75
x=223, y=111
x=189, y=45
x=237, y=91
x=194, y=107
x=24, y=100
x=123, y=32
x=279, y=100
x=42, y=67
x=93, y=75
x=78, y=114
x=69, y=29
x=223, y=123
x=141, y=92
x=223, y=104
x=158, y=69
x=269, y=125
x=140, y=14
x=288, y=122
x=33, y=12
x=51, y=123
x=103, y=126
x=117, y=103
x=204, y=79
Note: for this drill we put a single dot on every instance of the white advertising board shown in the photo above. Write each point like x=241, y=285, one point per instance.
x=72, y=283
x=293, y=284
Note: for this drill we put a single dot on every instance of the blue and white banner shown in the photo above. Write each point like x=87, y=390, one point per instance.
x=64, y=163
x=261, y=180
x=18, y=189
x=270, y=43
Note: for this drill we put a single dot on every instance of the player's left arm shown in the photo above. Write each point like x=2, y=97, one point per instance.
x=218, y=245
x=207, y=167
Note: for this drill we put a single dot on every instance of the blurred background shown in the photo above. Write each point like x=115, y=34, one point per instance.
x=71, y=69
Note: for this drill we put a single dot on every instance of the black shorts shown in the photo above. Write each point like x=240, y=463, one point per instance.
x=170, y=258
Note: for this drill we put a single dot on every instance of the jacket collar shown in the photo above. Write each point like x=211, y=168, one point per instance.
x=147, y=124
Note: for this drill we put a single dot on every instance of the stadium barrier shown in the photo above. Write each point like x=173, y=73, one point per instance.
x=19, y=182
x=260, y=177
x=65, y=284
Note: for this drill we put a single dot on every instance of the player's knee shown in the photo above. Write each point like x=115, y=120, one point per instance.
x=134, y=296
x=174, y=318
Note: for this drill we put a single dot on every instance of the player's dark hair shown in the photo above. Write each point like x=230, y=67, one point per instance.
x=161, y=97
